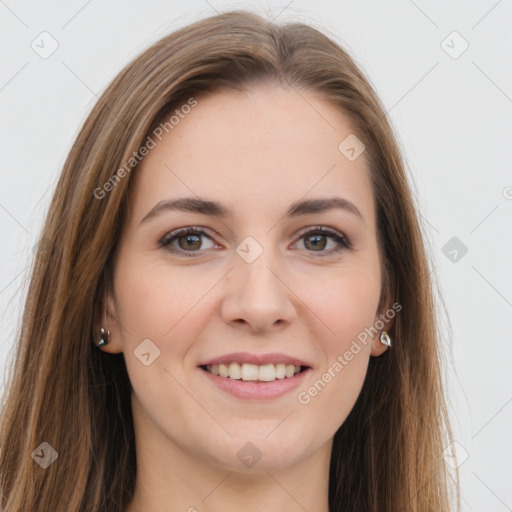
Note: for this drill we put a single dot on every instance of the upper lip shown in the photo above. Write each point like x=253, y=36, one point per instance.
x=258, y=359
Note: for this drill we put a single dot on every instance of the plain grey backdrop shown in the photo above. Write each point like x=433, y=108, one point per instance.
x=443, y=73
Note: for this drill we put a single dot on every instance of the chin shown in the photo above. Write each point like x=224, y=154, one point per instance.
x=253, y=451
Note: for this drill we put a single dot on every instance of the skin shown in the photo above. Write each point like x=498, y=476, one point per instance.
x=255, y=152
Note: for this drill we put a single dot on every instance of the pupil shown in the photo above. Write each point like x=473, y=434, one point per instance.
x=317, y=242
x=190, y=240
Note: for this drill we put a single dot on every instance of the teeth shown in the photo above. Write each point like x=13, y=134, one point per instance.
x=253, y=372
x=249, y=372
x=267, y=372
x=235, y=371
x=280, y=371
x=223, y=370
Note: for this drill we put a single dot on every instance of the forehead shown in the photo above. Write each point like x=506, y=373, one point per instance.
x=256, y=151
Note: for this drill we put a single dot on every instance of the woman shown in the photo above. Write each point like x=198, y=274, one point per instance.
x=231, y=305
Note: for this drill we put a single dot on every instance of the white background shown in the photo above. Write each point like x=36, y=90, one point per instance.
x=452, y=117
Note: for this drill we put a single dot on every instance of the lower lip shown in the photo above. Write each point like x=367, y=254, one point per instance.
x=256, y=390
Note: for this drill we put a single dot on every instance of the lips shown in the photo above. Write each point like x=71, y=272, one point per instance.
x=255, y=376
x=254, y=372
x=257, y=359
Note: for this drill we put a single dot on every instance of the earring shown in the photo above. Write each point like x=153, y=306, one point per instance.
x=104, y=338
x=385, y=339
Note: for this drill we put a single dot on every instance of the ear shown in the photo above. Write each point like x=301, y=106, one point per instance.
x=106, y=317
x=383, y=321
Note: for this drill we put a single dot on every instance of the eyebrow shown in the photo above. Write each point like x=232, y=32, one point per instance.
x=215, y=209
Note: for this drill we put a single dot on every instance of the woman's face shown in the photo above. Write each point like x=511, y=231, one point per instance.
x=249, y=287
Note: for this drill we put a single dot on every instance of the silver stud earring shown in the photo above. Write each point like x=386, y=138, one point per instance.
x=104, y=338
x=385, y=339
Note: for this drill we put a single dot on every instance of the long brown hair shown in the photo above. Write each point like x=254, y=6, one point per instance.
x=387, y=455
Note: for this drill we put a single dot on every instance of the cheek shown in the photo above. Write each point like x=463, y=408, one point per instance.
x=155, y=300
x=160, y=304
x=347, y=304
x=347, y=307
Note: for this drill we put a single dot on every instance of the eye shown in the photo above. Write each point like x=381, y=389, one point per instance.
x=316, y=240
x=189, y=241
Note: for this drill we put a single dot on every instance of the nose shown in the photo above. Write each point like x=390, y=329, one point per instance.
x=257, y=296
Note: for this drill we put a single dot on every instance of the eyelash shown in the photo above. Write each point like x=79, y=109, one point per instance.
x=166, y=241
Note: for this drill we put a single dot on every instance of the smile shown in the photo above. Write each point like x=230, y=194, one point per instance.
x=253, y=372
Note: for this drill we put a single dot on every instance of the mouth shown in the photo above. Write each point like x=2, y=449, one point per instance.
x=254, y=373
x=255, y=377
